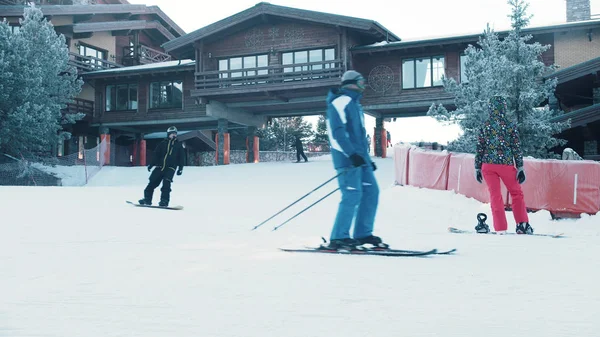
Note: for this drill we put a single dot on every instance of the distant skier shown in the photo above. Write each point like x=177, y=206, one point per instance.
x=299, y=150
x=168, y=155
x=349, y=151
x=498, y=151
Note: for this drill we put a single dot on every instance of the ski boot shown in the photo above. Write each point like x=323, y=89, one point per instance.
x=144, y=202
x=373, y=242
x=482, y=227
x=342, y=245
x=524, y=228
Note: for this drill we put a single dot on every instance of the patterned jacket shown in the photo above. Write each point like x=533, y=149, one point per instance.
x=498, y=141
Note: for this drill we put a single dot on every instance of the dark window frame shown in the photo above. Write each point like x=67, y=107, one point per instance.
x=165, y=105
x=113, y=106
x=414, y=68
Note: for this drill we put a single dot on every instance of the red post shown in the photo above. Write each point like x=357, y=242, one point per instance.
x=142, y=152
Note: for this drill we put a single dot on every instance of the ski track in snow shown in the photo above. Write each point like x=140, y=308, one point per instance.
x=79, y=261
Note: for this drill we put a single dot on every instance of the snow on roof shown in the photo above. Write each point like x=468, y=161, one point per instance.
x=157, y=65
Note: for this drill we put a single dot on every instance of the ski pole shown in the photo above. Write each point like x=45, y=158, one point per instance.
x=302, y=211
x=295, y=202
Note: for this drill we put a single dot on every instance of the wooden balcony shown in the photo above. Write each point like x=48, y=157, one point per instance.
x=90, y=63
x=80, y=106
x=279, y=77
x=146, y=55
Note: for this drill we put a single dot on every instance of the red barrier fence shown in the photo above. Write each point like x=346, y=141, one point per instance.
x=562, y=186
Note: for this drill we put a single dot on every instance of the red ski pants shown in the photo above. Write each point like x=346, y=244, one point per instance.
x=492, y=174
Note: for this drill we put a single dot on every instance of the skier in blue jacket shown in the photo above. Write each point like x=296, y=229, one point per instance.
x=350, y=154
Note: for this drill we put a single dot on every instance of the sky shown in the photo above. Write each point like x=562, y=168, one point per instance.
x=410, y=20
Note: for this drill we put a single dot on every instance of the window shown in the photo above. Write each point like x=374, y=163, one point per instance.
x=14, y=29
x=121, y=97
x=247, y=66
x=307, y=56
x=422, y=72
x=463, y=69
x=166, y=94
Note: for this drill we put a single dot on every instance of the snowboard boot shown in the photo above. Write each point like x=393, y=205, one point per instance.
x=163, y=203
x=342, y=244
x=373, y=241
x=482, y=227
x=524, y=228
x=145, y=202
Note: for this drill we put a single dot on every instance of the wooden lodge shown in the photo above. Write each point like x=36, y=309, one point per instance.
x=143, y=74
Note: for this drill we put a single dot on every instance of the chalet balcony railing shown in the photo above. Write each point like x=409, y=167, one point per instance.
x=256, y=79
x=48, y=2
x=146, y=54
x=90, y=63
x=80, y=106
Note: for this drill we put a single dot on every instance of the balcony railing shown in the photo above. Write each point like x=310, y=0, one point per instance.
x=280, y=76
x=90, y=63
x=146, y=55
x=48, y=2
x=80, y=106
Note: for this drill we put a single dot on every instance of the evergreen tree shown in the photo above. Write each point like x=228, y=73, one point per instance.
x=280, y=135
x=36, y=83
x=511, y=67
x=321, y=136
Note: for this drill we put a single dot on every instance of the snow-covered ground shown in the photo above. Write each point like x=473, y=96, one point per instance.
x=79, y=261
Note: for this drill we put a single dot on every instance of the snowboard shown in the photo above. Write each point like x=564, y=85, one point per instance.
x=464, y=231
x=383, y=252
x=177, y=208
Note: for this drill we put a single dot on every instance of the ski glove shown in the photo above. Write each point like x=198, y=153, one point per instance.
x=374, y=166
x=520, y=175
x=357, y=160
x=149, y=168
x=179, y=172
x=478, y=176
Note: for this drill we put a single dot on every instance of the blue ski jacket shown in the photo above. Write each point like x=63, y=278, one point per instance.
x=346, y=127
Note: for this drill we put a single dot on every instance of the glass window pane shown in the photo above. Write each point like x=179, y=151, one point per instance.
x=463, y=70
x=110, y=97
x=316, y=56
x=301, y=57
x=177, y=98
x=329, y=54
x=122, y=97
x=408, y=74
x=223, y=64
x=250, y=62
x=154, y=95
x=287, y=58
x=263, y=61
x=423, y=68
x=133, y=100
x=438, y=70
x=235, y=63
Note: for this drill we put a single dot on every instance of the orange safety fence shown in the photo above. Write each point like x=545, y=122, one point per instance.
x=564, y=186
x=428, y=169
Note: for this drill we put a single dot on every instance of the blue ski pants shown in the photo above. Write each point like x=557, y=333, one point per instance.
x=360, y=197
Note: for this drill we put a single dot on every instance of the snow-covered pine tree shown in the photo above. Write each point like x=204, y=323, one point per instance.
x=321, y=136
x=511, y=67
x=36, y=83
x=279, y=136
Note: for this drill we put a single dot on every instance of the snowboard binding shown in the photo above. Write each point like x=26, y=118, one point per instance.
x=482, y=227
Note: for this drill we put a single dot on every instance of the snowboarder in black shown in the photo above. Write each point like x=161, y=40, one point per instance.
x=299, y=150
x=168, y=155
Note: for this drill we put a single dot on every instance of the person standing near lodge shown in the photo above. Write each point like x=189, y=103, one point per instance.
x=498, y=152
x=351, y=160
x=168, y=155
x=299, y=150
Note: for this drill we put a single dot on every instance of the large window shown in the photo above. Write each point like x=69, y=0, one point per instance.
x=246, y=65
x=308, y=56
x=422, y=72
x=166, y=94
x=463, y=69
x=121, y=97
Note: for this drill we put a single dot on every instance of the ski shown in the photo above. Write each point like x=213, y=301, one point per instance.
x=379, y=249
x=360, y=252
x=464, y=231
x=177, y=208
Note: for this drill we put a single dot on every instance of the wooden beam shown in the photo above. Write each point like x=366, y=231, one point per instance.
x=121, y=32
x=82, y=18
x=83, y=35
x=276, y=96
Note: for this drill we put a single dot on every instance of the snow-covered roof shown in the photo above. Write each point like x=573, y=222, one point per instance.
x=146, y=67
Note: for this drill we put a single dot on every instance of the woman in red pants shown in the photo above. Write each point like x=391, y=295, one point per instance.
x=498, y=152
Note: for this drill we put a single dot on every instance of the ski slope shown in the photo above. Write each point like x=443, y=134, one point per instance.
x=79, y=261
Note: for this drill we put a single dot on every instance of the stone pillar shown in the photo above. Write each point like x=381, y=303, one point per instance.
x=222, y=141
x=380, y=141
x=578, y=10
x=252, y=155
x=105, y=149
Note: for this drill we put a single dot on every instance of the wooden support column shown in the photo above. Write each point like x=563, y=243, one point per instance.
x=252, y=154
x=222, y=141
x=380, y=135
